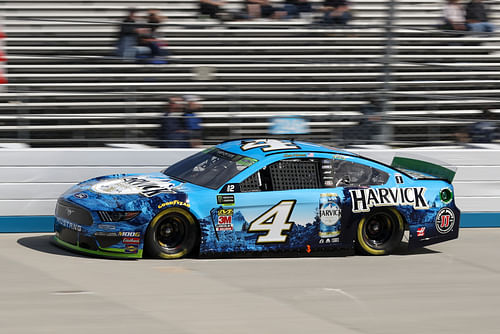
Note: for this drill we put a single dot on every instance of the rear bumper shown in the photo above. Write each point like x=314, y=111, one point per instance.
x=431, y=235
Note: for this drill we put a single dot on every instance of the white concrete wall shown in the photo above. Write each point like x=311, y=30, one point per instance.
x=32, y=179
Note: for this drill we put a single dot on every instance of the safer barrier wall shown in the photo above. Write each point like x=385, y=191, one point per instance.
x=32, y=179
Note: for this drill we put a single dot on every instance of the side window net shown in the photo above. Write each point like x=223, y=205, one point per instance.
x=286, y=175
x=307, y=174
x=252, y=183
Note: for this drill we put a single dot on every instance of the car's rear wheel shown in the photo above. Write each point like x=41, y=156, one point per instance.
x=379, y=232
x=172, y=234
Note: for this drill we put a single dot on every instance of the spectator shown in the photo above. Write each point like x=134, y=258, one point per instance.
x=462, y=136
x=484, y=131
x=477, y=17
x=336, y=12
x=128, y=36
x=173, y=131
x=264, y=9
x=453, y=14
x=154, y=20
x=212, y=8
x=295, y=7
x=192, y=120
x=370, y=123
x=148, y=36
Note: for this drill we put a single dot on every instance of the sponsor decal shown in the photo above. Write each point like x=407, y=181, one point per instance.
x=328, y=183
x=224, y=220
x=129, y=234
x=106, y=227
x=81, y=195
x=445, y=220
x=339, y=157
x=145, y=186
x=329, y=214
x=131, y=249
x=70, y=225
x=246, y=161
x=133, y=241
x=225, y=212
x=105, y=234
x=399, y=179
x=310, y=155
x=420, y=231
x=225, y=199
x=172, y=203
x=329, y=240
x=364, y=199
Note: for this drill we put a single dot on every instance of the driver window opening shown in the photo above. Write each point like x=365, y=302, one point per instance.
x=285, y=175
x=312, y=174
x=348, y=173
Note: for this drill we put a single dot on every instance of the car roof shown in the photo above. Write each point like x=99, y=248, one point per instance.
x=260, y=148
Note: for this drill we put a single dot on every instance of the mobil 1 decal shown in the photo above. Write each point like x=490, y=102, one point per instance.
x=365, y=199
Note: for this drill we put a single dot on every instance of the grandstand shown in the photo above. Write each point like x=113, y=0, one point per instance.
x=66, y=87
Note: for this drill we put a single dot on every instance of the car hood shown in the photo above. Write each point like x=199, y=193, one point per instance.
x=128, y=191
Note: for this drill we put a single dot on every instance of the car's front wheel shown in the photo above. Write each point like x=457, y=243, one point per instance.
x=172, y=234
x=379, y=232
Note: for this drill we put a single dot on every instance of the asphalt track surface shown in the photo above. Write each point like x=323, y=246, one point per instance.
x=453, y=287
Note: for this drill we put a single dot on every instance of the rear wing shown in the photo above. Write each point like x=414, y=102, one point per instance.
x=411, y=164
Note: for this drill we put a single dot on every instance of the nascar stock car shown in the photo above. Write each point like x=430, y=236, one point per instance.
x=246, y=196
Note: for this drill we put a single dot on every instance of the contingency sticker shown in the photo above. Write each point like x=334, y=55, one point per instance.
x=225, y=199
x=224, y=220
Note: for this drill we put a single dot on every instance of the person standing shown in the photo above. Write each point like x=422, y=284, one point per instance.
x=192, y=119
x=128, y=36
x=173, y=132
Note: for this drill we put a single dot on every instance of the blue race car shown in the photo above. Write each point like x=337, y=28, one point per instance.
x=263, y=195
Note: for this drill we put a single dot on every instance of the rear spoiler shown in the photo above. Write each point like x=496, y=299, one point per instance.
x=432, y=167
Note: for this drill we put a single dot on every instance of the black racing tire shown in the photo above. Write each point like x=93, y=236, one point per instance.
x=379, y=232
x=172, y=234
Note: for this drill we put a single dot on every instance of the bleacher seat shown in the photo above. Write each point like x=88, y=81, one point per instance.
x=66, y=87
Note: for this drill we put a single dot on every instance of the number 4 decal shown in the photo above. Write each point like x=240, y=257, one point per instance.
x=267, y=145
x=274, y=221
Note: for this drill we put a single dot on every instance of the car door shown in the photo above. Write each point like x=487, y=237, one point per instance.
x=284, y=205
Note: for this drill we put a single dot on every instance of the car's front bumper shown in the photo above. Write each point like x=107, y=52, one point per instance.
x=99, y=252
x=79, y=229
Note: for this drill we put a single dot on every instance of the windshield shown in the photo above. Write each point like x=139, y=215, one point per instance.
x=211, y=168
